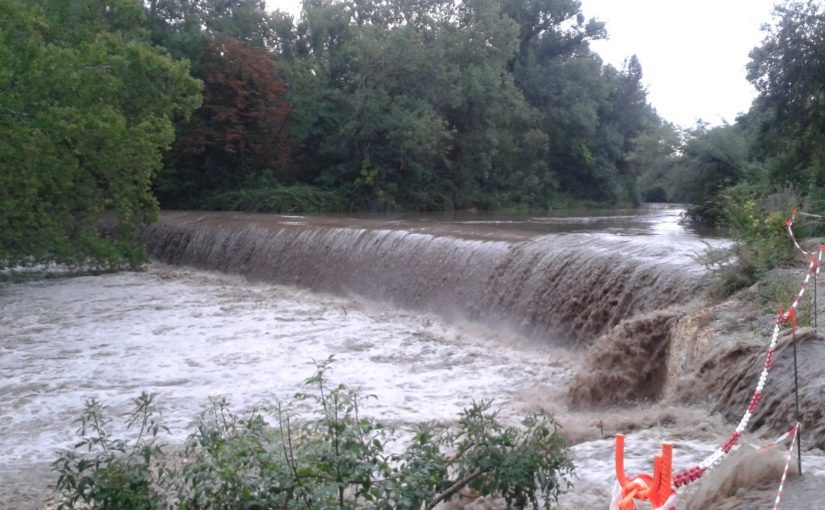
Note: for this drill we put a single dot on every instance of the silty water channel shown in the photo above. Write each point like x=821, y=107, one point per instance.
x=427, y=314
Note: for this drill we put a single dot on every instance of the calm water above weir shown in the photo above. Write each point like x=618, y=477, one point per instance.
x=404, y=304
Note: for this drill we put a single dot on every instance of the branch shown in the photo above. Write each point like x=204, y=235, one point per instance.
x=457, y=486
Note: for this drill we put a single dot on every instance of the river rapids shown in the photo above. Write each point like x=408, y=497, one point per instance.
x=425, y=314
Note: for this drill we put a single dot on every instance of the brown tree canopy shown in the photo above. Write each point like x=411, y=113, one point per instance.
x=238, y=132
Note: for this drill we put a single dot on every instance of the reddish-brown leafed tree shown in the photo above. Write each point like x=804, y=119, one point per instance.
x=238, y=131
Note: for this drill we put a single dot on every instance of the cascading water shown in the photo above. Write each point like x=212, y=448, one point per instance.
x=584, y=312
x=566, y=288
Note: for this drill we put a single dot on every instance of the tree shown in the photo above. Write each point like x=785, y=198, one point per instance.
x=184, y=26
x=788, y=70
x=405, y=114
x=86, y=109
x=590, y=113
x=237, y=134
x=421, y=105
x=713, y=160
x=654, y=159
x=553, y=27
x=624, y=116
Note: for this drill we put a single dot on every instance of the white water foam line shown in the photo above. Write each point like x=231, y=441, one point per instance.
x=188, y=335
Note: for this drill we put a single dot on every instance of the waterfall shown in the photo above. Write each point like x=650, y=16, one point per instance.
x=567, y=289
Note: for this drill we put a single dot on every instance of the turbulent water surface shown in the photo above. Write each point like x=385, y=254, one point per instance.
x=405, y=306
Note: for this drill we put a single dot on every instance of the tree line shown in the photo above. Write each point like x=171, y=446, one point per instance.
x=748, y=176
x=399, y=104
x=108, y=107
x=777, y=145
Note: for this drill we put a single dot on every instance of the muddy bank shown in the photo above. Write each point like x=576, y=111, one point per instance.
x=711, y=356
x=716, y=362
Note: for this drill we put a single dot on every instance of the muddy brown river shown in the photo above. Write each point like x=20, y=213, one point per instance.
x=425, y=314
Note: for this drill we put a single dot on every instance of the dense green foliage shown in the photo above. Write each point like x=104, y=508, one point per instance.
x=788, y=117
x=398, y=105
x=275, y=457
x=106, y=472
x=384, y=105
x=367, y=105
x=86, y=108
x=274, y=198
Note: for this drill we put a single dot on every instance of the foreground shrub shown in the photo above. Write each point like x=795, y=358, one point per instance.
x=102, y=472
x=317, y=451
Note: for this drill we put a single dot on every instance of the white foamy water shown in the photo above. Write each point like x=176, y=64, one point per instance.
x=188, y=335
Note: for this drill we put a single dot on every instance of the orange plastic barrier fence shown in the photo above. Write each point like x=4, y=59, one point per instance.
x=657, y=489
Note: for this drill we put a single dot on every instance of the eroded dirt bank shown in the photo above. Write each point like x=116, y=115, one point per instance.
x=711, y=355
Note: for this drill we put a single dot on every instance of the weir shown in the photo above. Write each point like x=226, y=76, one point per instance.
x=651, y=363
x=566, y=289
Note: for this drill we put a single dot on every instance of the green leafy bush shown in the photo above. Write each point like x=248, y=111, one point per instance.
x=103, y=472
x=755, y=221
x=318, y=451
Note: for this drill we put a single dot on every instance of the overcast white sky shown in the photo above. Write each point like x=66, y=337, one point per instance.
x=693, y=52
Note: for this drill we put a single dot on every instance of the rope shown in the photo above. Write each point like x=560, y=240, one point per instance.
x=785, y=471
x=776, y=441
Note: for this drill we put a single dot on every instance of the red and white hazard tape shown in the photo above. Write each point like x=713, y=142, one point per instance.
x=776, y=441
x=789, y=226
x=795, y=432
x=714, y=459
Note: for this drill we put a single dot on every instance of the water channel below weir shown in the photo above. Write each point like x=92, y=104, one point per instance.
x=189, y=333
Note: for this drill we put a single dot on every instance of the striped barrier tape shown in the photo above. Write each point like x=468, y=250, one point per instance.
x=776, y=441
x=795, y=432
x=819, y=216
x=714, y=459
x=789, y=226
